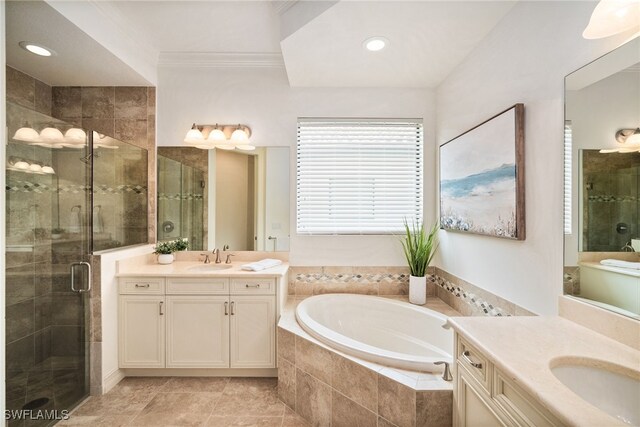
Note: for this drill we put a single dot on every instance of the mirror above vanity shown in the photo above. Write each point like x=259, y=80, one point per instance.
x=602, y=181
x=224, y=198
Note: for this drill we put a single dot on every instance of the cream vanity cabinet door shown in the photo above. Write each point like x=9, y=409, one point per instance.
x=197, y=331
x=471, y=410
x=253, y=319
x=142, y=331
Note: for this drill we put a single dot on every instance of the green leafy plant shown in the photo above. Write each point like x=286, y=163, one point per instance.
x=181, y=245
x=165, y=248
x=419, y=247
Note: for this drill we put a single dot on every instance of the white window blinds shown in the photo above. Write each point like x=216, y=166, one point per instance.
x=358, y=176
x=567, y=177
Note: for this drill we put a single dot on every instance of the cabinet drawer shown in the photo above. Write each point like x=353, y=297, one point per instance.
x=141, y=285
x=198, y=285
x=253, y=286
x=475, y=363
x=518, y=404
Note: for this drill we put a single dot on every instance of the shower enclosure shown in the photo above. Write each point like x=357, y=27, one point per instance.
x=69, y=193
x=610, y=200
x=181, y=202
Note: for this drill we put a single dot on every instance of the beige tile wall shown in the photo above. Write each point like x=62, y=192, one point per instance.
x=462, y=296
x=328, y=389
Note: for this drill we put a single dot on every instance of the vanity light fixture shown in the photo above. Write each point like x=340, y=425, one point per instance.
x=224, y=137
x=375, y=44
x=611, y=17
x=629, y=138
x=36, y=49
x=20, y=165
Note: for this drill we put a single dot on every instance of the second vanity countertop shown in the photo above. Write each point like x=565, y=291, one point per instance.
x=525, y=348
x=181, y=268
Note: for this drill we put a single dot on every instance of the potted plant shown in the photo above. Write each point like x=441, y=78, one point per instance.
x=181, y=244
x=165, y=252
x=419, y=247
x=57, y=233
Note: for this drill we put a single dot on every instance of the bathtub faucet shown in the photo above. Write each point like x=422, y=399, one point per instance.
x=447, y=371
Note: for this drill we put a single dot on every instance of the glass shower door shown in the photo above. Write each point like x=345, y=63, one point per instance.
x=48, y=277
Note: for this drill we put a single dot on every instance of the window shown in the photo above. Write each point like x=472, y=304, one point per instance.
x=567, y=177
x=358, y=176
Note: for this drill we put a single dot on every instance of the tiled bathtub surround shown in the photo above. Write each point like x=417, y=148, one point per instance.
x=464, y=297
x=328, y=388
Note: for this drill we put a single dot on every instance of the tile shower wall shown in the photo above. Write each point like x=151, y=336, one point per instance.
x=462, y=296
x=124, y=113
x=44, y=324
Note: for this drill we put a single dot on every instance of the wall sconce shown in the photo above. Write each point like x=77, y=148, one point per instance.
x=611, y=17
x=224, y=137
x=630, y=138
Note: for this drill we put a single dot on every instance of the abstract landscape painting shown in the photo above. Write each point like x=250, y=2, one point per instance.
x=482, y=178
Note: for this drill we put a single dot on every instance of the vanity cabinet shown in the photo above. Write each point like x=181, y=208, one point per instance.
x=485, y=396
x=197, y=322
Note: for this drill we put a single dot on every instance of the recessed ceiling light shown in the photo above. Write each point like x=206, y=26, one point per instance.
x=36, y=49
x=374, y=44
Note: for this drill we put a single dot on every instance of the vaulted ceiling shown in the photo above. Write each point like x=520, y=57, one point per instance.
x=320, y=43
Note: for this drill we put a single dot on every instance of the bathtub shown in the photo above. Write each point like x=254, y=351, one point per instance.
x=380, y=330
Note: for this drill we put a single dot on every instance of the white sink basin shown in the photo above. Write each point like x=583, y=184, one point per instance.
x=616, y=394
x=207, y=268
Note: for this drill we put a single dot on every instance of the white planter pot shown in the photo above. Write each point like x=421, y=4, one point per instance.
x=417, y=290
x=165, y=258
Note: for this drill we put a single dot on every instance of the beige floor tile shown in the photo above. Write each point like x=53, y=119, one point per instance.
x=116, y=403
x=215, y=421
x=135, y=384
x=250, y=397
x=112, y=420
x=195, y=385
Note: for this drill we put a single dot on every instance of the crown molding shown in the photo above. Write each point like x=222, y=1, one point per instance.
x=220, y=60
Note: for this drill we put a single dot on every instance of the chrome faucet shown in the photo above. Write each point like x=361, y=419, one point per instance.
x=216, y=252
x=447, y=371
x=228, y=261
x=206, y=258
x=627, y=247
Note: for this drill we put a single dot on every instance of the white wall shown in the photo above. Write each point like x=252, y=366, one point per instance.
x=109, y=294
x=262, y=99
x=524, y=59
x=277, y=221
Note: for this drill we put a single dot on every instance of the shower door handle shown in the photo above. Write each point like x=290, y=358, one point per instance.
x=73, y=278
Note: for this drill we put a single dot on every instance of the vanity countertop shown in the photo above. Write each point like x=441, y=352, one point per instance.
x=524, y=348
x=181, y=268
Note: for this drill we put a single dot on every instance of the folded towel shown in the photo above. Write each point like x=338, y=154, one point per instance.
x=622, y=264
x=261, y=265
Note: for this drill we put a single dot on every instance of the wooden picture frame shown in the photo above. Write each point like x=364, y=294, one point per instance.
x=482, y=178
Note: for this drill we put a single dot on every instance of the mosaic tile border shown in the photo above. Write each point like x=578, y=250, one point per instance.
x=180, y=196
x=28, y=187
x=456, y=292
x=610, y=199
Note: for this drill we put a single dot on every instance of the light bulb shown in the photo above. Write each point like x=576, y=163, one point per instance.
x=228, y=146
x=375, y=44
x=634, y=138
x=245, y=147
x=194, y=136
x=21, y=164
x=239, y=135
x=612, y=17
x=75, y=136
x=48, y=170
x=35, y=168
x=26, y=134
x=216, y=135
x=51, y=134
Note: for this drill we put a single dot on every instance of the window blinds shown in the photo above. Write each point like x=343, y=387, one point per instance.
x=567, y=177
x=358, y=176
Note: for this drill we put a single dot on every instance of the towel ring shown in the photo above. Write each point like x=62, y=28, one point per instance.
x=76, y=206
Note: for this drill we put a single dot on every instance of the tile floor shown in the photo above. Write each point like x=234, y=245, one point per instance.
x=187, y=401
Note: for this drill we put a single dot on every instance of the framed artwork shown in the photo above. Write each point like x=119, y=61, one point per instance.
x=482, y=178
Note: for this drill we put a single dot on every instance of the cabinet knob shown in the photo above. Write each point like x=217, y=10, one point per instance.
x=252, y=286
x=144, y=285
x=161, y=311
x=226, y=308
x=466, y=356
